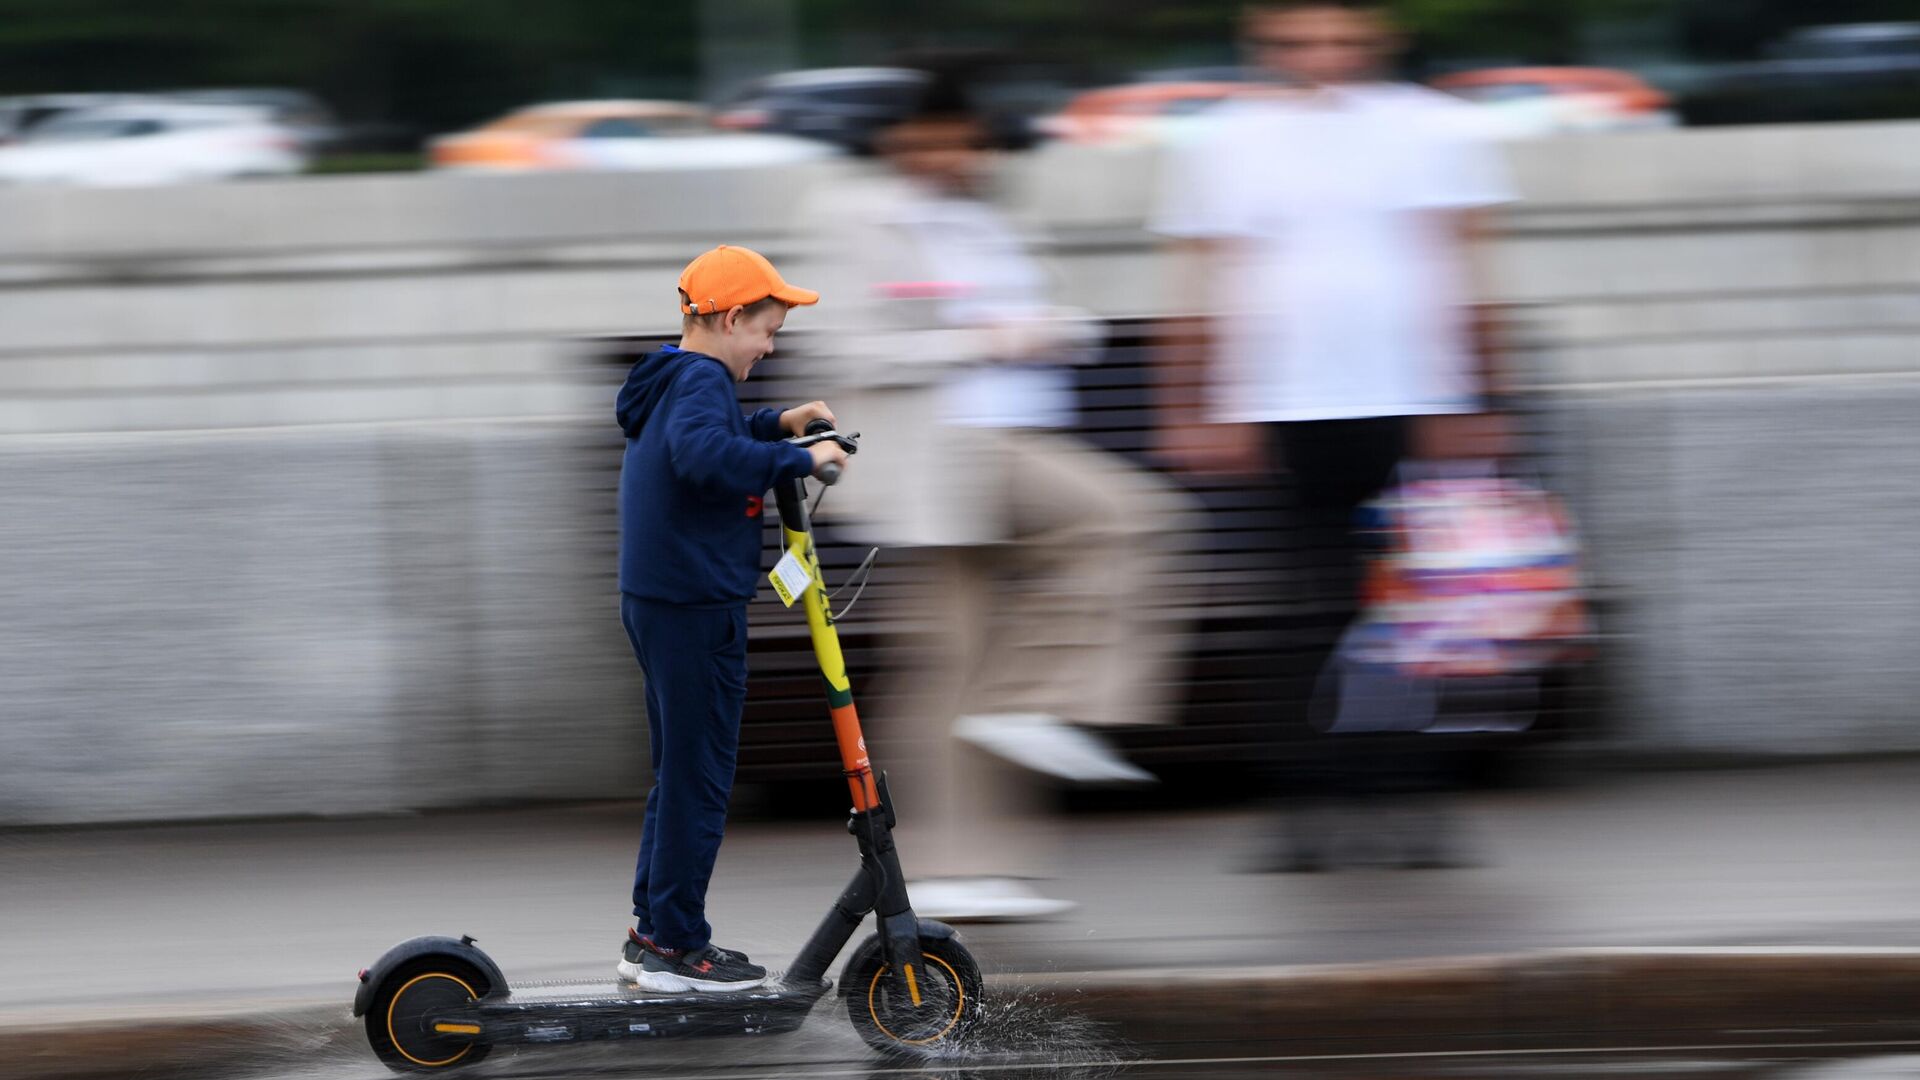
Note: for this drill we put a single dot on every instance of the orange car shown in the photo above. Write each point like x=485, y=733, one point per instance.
x=548, y=136
x=1123, y=112
x=1546, y=100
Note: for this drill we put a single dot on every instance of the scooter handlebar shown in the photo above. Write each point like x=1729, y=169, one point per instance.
x=818, y=430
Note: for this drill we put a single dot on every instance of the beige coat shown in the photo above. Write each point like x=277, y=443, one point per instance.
x=917, y=480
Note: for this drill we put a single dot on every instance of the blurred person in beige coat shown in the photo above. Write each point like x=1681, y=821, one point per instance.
x=1049, y=617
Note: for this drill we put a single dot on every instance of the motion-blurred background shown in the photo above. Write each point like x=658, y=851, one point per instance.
x=311, y=314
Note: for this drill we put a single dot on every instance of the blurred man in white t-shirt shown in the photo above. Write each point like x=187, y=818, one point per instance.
x=1324, y=229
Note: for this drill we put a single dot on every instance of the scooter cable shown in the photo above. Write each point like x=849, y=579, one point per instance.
x=860, y=576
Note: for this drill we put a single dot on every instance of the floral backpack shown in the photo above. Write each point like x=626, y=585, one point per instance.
x=1474, y=582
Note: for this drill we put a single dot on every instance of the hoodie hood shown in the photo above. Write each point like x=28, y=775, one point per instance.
x=647, y=384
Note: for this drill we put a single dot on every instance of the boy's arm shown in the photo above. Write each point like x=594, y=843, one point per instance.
x=705, y=451
x=765, y=425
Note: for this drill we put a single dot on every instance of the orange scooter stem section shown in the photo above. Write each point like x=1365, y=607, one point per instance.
x=853, y=758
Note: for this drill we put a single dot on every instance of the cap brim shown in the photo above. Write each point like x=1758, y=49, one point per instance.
x=797, y=296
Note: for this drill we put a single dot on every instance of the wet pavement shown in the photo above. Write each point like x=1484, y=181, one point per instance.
x=1020, y=1038
x=1113, y=1060
x=236, y=915
x=209, y=920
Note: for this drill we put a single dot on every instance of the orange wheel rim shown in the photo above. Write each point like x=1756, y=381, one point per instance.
x=395, y=1040
x=959, y=1004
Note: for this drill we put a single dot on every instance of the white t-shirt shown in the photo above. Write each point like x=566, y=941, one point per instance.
x=1342, y=293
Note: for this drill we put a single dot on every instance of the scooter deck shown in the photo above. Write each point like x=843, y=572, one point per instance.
x=593, y=1011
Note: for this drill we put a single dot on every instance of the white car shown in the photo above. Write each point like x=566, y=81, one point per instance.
x=153, y=143
x=18, y=114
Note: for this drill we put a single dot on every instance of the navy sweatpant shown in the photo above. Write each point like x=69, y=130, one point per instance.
x=695, y=664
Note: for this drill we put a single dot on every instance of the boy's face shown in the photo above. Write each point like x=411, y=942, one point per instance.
x=746, y=339
x=1321, y=46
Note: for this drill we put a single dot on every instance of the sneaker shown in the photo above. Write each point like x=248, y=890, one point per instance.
x=1046, y=744
x=632, y=953
x=982, y=900
x=675, y=971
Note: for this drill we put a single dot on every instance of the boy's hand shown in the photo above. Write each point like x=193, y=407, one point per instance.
x=794, y=421
x=825, y=452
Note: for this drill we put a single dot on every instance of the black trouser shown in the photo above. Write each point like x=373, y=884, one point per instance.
x=1333, y=467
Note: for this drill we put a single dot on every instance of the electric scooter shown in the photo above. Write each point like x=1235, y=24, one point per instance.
x=434, y=1003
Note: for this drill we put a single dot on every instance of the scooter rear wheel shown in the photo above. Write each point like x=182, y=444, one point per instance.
x=885, y=1015
x=399, y=1018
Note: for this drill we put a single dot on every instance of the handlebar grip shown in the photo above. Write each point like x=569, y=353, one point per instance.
x=830, y=473
x=816, y=426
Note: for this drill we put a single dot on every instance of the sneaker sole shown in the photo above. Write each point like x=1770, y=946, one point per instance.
x=1096, y=764
x=630, y=971
x=997, y=915
x=666, y=982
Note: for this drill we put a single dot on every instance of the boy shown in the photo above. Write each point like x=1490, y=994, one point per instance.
x=691, y=489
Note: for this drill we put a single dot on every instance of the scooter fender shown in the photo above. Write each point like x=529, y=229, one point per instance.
x=902, y=936
x=939, y=931
x=412, y=949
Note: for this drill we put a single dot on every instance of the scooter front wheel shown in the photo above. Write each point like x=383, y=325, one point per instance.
x=402, y=1010
x=885, y=1014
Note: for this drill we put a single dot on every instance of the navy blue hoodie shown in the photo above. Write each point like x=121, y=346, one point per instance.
x=692, y=483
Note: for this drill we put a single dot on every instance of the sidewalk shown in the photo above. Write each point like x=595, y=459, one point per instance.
x=200, y=920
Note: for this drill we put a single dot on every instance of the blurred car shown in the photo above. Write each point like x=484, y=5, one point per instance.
x=1214, y=73
x=18, y=115
x=296, y=110
x=1529, y=101
x=1136, y=112
x=841, y=106
x=615, y=135
x=152, y=142
x=1859, y=71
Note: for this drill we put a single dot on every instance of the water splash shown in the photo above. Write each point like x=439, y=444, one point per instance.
x=1018, y=1029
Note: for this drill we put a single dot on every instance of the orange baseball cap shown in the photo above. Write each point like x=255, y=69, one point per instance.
x=729, y=276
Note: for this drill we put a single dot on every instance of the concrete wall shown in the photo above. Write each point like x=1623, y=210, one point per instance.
x=293, y=511
x=1735, y=328
x=1734, y=319
x=317, y=619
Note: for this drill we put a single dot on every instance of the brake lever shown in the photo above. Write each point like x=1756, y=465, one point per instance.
x=848, y=442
